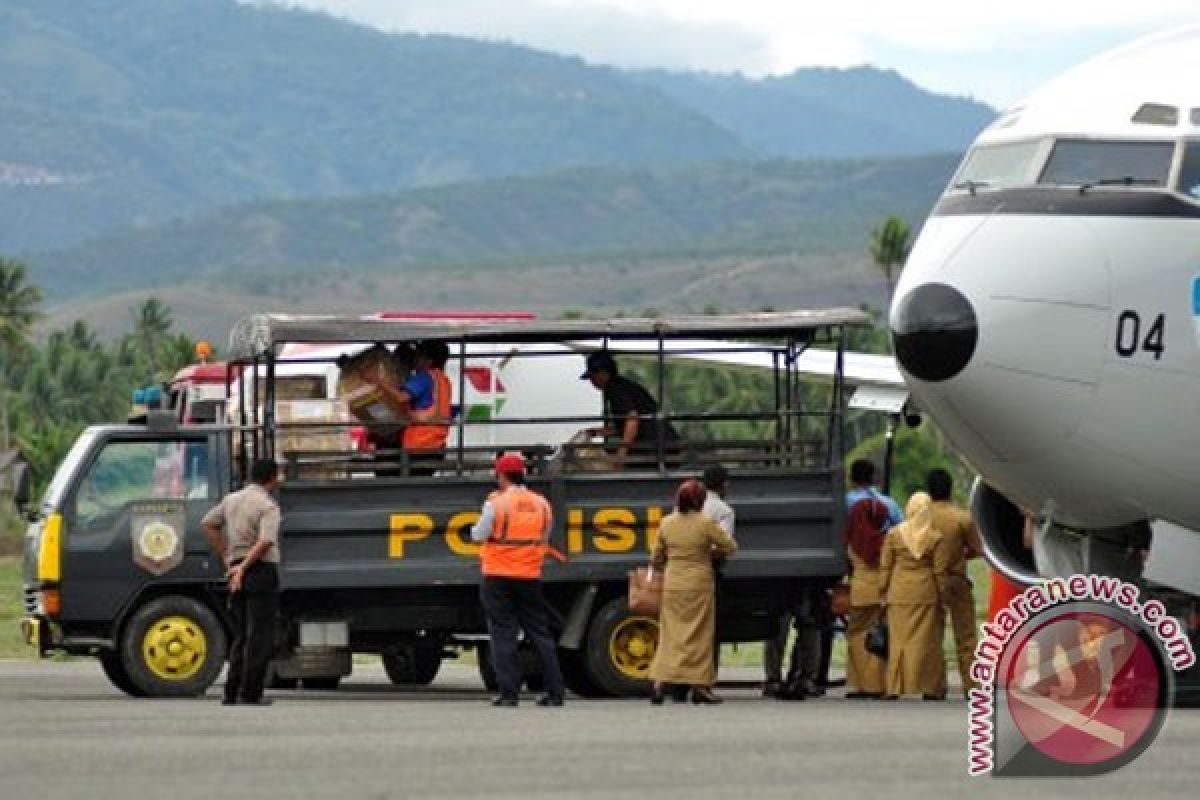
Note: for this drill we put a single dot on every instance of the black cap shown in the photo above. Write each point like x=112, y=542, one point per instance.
x=601, y=360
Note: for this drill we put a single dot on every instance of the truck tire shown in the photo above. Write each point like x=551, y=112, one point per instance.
x=620, y=649
x=412, y=666
x=575, y=674
x=114, y=670
x=173, y=646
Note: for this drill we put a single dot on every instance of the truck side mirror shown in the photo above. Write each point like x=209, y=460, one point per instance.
x=21, y=483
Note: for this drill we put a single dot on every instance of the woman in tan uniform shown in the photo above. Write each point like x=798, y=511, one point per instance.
x=687, y=543
x=913, y=582
x=865, y=525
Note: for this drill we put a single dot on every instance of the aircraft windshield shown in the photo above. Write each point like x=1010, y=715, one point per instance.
x=995, y=165
x=1189, y=173
x=1089, y=162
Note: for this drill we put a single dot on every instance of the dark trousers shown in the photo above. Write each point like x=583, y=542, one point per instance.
x=252, y=612
x=507, y=604
x=812, y=619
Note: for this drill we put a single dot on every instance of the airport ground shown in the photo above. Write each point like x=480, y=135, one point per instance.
x=65, y=733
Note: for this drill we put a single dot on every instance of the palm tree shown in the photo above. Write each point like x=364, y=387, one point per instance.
x=18, y=313
x=890, y=243
x=152, y=325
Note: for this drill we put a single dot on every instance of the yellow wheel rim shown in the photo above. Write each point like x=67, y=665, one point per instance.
x=632, y=646
x=175, y=648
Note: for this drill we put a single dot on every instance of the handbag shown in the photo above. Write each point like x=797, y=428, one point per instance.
x=877, y=639
x=645, y=591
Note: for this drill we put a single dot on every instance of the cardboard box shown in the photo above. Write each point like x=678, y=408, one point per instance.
x=365, y=401
x=312, y=439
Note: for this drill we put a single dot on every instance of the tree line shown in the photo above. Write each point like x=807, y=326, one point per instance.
x=52, y=387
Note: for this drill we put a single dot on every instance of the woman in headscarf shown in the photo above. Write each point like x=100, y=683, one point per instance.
x=688, y=541
x=912, y=580
x=865, y=525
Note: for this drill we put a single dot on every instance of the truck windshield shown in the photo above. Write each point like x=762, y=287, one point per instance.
x=56, y=491
x=141, y=470
x=1090, y=162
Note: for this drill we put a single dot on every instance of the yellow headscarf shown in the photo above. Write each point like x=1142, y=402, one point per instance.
x=917, y=532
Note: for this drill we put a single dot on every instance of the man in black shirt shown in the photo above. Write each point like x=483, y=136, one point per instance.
x=630, y=412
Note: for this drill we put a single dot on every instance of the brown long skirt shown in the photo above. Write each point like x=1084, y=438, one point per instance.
x=864, y=670
x=685, y=638
x=915, y=663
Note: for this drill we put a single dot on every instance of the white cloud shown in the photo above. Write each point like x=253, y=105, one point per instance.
x=996, y=51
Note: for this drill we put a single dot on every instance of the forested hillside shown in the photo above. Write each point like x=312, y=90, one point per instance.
x=145, y=107
x=578, y=217
x=140, y=111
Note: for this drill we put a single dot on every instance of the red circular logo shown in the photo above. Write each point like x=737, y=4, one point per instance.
x=1084, y=688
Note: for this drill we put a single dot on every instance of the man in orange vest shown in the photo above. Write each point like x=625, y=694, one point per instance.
x=515, y=531
x=427, y=398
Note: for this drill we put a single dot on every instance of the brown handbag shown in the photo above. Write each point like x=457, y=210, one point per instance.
x=645, y=591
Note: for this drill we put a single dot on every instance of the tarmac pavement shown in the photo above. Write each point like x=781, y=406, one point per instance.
x=65, y=733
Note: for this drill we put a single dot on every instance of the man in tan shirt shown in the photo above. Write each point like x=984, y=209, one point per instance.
x=244, y=529
x=960, y=540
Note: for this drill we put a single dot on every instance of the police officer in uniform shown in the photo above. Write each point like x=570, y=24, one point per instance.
x=515, y=530
x=244, y=529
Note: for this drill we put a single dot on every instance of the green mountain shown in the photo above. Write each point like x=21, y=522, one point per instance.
x=829, y=113
x=142, y=111
x=111, y=113
x=579, y=215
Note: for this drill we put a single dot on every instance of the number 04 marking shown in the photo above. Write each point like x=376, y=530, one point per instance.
x=1129, y=335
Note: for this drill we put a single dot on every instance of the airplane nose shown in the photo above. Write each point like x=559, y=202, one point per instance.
x=934, y=331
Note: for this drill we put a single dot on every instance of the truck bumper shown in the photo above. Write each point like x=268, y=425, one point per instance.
x=36, y=632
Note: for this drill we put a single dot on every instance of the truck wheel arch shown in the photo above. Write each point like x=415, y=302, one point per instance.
x=619, y=648
x=172, y=645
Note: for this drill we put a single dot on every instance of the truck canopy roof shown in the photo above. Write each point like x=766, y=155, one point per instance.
x=261, y=333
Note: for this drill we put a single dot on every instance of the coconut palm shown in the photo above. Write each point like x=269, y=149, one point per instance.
x=890, y=243
x=18, y=312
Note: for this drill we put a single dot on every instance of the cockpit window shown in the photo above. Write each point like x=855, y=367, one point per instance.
x=1156, y=114
x=1189, y=172
x=1089, y=162
x=998, y=165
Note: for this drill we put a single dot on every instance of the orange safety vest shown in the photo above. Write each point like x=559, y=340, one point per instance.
x=430, y=426
x=520, y=534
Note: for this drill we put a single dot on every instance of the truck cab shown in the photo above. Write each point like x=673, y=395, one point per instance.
x=122, y=512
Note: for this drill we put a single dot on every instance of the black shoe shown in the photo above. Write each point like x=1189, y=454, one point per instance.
x=704, y=697
x=863, y=695
x=935, y=698
x=679, y=694
x=550, y=700
x=771, y=689
x=229, y=701
x=505, y=702
x=262, y=701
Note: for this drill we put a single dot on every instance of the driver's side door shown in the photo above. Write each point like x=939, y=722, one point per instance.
x=132, y=518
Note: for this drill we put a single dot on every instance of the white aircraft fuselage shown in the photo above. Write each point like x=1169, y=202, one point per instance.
x=1048, y=317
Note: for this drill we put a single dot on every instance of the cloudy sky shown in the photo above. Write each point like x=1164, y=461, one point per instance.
x=995, y=51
